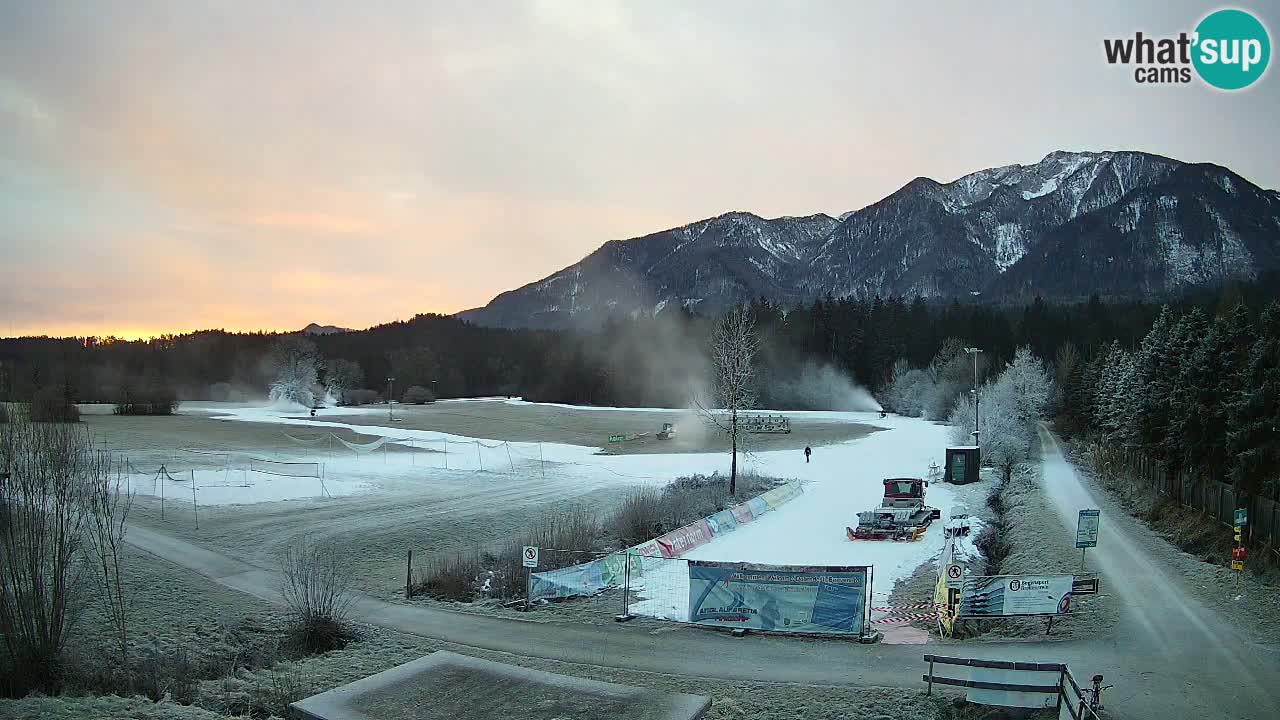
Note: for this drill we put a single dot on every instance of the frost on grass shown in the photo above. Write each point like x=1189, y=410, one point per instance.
x=1029, y=539
x=107, y=707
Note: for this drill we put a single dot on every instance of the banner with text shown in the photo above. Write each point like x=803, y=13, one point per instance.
x=682, y=540
x=784, y=598
x=1003, y=595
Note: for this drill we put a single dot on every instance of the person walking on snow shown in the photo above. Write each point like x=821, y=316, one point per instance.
x=807, y=452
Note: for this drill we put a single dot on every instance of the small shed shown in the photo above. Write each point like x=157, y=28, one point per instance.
x=963, y=464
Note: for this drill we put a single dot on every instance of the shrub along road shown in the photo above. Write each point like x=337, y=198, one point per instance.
x=1170, y=657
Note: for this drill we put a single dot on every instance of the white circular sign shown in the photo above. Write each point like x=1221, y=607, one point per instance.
x=954, y=572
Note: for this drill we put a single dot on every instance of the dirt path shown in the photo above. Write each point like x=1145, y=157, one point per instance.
x=1147, y=685
x=1164, y=629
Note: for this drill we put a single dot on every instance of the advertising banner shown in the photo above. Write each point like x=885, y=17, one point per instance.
x=650, y=549
x=742, y=513
x=785, y=598
x=612, y=568
x=1004, y=595
x=567, y=582
x=682, y=540
x=758, y=506
x=779, y=495
x=722, y=522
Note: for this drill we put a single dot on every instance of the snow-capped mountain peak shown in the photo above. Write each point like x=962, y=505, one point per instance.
x=1014, y=230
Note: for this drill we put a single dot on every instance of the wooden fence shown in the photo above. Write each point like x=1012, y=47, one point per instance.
x=1018, y=684
x=1195, y=489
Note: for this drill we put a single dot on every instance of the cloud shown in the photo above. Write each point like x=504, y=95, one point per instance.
x=426, y=156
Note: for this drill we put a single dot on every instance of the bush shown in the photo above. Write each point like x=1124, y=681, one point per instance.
x=499, y=573
x=451, y=577
x=637, y=519
x=418, y=395
x=646, y=513
x=154, y=398
x=360, y=397
x=51, y=404
x=316, y=586
x=288, y=685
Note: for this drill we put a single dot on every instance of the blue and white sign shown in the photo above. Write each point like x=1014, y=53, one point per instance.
x=1004, y=595
x=785, y=598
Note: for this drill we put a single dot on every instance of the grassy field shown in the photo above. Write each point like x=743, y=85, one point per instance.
x=426, y=509
x=572, y=426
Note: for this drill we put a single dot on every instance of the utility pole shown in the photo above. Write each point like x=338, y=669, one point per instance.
x=975, y=352
x=390, y=416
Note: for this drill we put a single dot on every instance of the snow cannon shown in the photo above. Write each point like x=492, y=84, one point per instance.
x=902, y=514
x=668, y=431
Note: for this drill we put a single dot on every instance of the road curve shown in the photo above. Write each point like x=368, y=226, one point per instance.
x=1171, y=658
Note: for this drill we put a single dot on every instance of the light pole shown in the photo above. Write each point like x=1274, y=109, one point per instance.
x=975, y=352
x=390, y=380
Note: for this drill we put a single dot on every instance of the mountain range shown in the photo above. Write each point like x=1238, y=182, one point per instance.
x=1120, y=224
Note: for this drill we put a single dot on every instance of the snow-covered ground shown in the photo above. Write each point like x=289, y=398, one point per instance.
x=810, y=530
x=840, y=481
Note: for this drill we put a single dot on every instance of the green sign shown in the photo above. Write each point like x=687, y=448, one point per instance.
x=1242, y=517
x=617, y=438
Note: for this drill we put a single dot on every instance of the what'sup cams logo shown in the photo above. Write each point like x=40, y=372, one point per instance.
x=1229, y=50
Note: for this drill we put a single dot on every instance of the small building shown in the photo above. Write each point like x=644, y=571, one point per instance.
x=962, y=464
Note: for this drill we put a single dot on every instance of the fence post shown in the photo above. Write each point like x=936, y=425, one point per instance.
x=408, y=577
x=626, y=589
x=195, y=511
x=930, y=690
x=1062, y=687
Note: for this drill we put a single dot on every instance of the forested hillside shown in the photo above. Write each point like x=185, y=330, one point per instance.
x=659, y=360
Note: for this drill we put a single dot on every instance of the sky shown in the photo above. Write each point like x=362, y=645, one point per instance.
x=174, y=166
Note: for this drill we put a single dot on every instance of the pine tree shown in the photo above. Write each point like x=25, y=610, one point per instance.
x=1254, y=439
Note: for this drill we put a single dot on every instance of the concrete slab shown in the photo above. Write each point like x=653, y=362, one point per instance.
x=449, y=686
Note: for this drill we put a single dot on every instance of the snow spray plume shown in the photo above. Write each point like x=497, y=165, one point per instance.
x=822, y=387
x=651, y=355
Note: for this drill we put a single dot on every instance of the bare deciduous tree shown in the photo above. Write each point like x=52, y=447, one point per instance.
x=47, y=472
x=108, y=504
x=733, y=351
x=61, y=513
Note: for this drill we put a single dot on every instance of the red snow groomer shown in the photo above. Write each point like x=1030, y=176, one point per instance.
x=902, y=514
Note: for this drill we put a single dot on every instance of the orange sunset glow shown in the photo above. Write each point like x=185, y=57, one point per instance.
x=166, y=167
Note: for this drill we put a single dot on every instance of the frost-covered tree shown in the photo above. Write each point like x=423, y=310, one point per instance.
x=295, y=363
x=1009, y=409
x=342, y=375
x=1115, y=399
x=907, y=389
x=951, y=373
x=1007, y=440
x=733, y=351
x=1029, y=385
